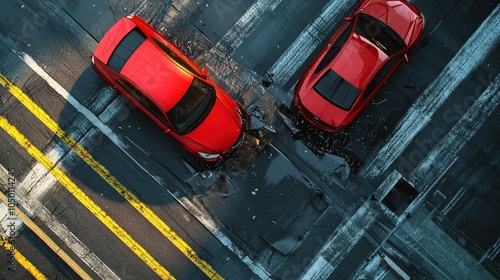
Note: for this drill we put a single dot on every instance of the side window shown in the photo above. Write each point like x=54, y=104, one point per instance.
x=381, y=74
x=144, y=100
x=334, y=50
x=133, y=91
x=175, y=57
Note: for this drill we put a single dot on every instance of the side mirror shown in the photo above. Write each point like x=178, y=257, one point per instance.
x=205, y=71
x=406, y=58
x=349, y=18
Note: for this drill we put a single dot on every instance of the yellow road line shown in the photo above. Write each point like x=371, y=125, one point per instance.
x=45, y=238
x=141, y=207
x=22, y=260
x=84, y=199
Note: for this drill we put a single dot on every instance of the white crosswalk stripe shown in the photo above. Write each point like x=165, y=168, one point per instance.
x=246, y=24
x=307, y=41
x=469, y=57
x=353, y=228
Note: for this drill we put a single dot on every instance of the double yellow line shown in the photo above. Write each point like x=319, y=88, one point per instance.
x=142, y=208
x=21, y=259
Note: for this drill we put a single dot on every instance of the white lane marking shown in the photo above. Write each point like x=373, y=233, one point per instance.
x=307, y=41
x=425, y=176
x=33, y=207
x=448, y=148
x=492, y=252
x=106, y=130
x=246, y=24
x=372, y=269
x=207, y=221
x=77, y=246
x=474, y=51
x=197, y=213
x=340, y=243
x=38, y=181
x=71, y=100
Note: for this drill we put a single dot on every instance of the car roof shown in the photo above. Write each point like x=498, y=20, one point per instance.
x=145, y=65
x=358, y=60
x=161, y=79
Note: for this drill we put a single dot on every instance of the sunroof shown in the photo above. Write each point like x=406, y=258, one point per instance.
x=337, y=90
x=125, y=49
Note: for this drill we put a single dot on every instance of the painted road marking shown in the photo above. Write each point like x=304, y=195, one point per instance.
x=83, y=198
x=46, y=239
x=468, y=58
x=197, y=210
x=209, y=223
x=32, y=206
x=246, y=25
x=86, y=255
x=448, y=148
x=307, y=41
x=21, y=259
x=424, y=177
x=86, y=156
x=341, y=243
x=106, y=130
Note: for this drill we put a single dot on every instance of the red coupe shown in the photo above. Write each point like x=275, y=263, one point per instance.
x=358, y=60
x=157, y=77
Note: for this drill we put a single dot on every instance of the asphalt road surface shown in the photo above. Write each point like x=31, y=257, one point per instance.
x=410, y=189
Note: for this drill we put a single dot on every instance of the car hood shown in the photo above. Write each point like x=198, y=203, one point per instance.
x=221, y=129
x=400, y=16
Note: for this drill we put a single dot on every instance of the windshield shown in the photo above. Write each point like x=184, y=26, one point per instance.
x=193, y=107
x=379, y=34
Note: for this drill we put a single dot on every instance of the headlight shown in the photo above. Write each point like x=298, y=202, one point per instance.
x=208, y=156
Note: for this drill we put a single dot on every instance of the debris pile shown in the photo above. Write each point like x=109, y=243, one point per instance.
x=318, y=141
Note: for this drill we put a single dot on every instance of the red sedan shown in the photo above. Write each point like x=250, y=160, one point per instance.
x=157, y=77
x=358, y=60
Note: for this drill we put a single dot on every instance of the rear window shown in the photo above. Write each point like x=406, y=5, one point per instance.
x=336, y=90
x=127, y=46
x=381, y=35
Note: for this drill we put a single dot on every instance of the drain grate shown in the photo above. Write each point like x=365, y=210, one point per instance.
x=400, y=196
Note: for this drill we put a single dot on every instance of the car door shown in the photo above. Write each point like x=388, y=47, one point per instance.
x=139, y=99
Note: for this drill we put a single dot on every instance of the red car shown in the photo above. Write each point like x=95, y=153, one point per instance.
x=157, y=77
x=358, y=60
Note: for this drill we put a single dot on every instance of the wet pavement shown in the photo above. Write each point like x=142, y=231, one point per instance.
x=293, y=200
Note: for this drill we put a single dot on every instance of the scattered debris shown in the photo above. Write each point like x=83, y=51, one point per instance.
x=268, y=83
x=320, y=142
x=255, y=119
x=338, y=165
